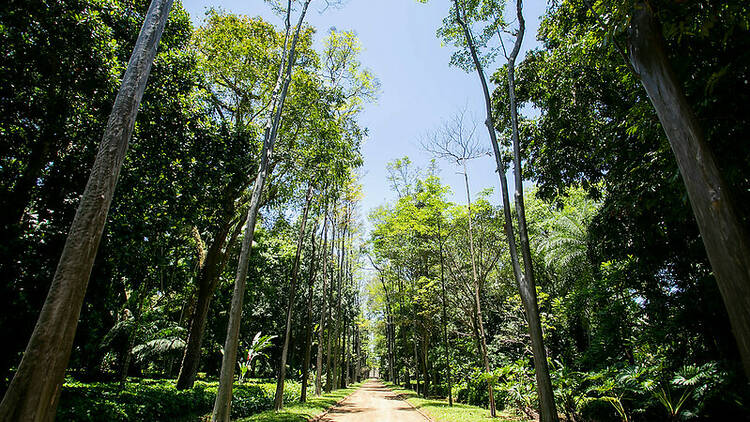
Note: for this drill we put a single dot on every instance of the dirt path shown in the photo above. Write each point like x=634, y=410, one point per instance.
x=373, y=402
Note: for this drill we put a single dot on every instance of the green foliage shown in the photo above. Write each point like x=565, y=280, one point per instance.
x=257, y=347
x=136, y=400
x=144, y=399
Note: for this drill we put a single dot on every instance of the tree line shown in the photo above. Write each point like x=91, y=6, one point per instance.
x=631, y=267
x=234, y=116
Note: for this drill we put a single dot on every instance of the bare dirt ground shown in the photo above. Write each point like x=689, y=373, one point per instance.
x=373, y=402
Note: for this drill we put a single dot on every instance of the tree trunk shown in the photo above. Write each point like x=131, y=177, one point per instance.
x=278, y=402
x=477, y=305
x=344, y=360
x=414, y=342
x=308, y=336
x=548, y=412
x=223, y=403
x=329, y=375
x=323, y=308
x=547, y=406
x=358, y=351
x=35, y=389
x=724, y=237
x=337, y=330
x=208, y=279
x=445, y=318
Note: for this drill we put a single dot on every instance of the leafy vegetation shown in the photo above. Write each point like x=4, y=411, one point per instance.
x=440, y=411
x=611, y=282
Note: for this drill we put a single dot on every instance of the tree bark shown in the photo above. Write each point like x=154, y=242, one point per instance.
x=329, y=375
x=477, y=305
x=337, y=330
x=548, y=410
x=724, y=237
x=324, y=309
x=35, y=389
x=445, y=318
x=223, y=402
x=278, y=402
x=309, y=330
x=208, y=279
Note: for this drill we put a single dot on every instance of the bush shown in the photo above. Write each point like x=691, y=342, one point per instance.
x=139, y=400
x=159, y=400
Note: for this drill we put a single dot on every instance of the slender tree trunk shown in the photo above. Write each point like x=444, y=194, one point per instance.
x=35, y=389
x=344, y=360
x=223, y=403
x=279, y=399
x=308, y=334
x=358, y=351
x=337, y=331
x=329, y=374
x=724, y=237
x=548, y=412
x=445, y=318
x=414, y=342
x=477, y=304
x=324, y=309
x=544, y=385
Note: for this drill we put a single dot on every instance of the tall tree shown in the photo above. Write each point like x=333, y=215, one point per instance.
x=464, y=15
x=223, y=402
x=724, y=236
x=279, y=398
x=34, y=391
x=456, y=143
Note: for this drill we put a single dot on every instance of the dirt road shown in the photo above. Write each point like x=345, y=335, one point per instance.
x=373, y=402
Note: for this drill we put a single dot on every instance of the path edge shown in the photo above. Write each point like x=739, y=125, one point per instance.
x=320, y=416
x=420, y=411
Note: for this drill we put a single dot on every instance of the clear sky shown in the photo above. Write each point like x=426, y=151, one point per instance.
x=418, y=87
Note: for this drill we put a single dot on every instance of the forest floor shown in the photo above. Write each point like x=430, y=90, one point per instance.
x=438, y=410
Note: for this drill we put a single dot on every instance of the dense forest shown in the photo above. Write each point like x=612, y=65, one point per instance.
x=183, y=235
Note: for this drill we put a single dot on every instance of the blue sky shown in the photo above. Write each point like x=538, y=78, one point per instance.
x=418, y=87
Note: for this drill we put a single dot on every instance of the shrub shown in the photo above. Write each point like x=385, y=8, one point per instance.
x=159, y=400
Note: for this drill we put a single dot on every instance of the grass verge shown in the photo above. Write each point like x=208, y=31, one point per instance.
x=300, y=412
x=439, y=410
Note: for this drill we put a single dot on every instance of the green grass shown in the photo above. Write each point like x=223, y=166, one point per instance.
x=439, y=410
x=300, y=412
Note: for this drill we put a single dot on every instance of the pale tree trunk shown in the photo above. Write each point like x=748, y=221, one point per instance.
x=35, y=389
x=323, y=309
x=477, y=305
x=358, y=352
x=309, y=322
x=337, y=331
x=445, y=318
x=389, y=331
x=329, y=375
x=414, y=342
x=344, y=361
x=223, y=403
x=547, y=411
x=724, y=237
x=278, y=402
